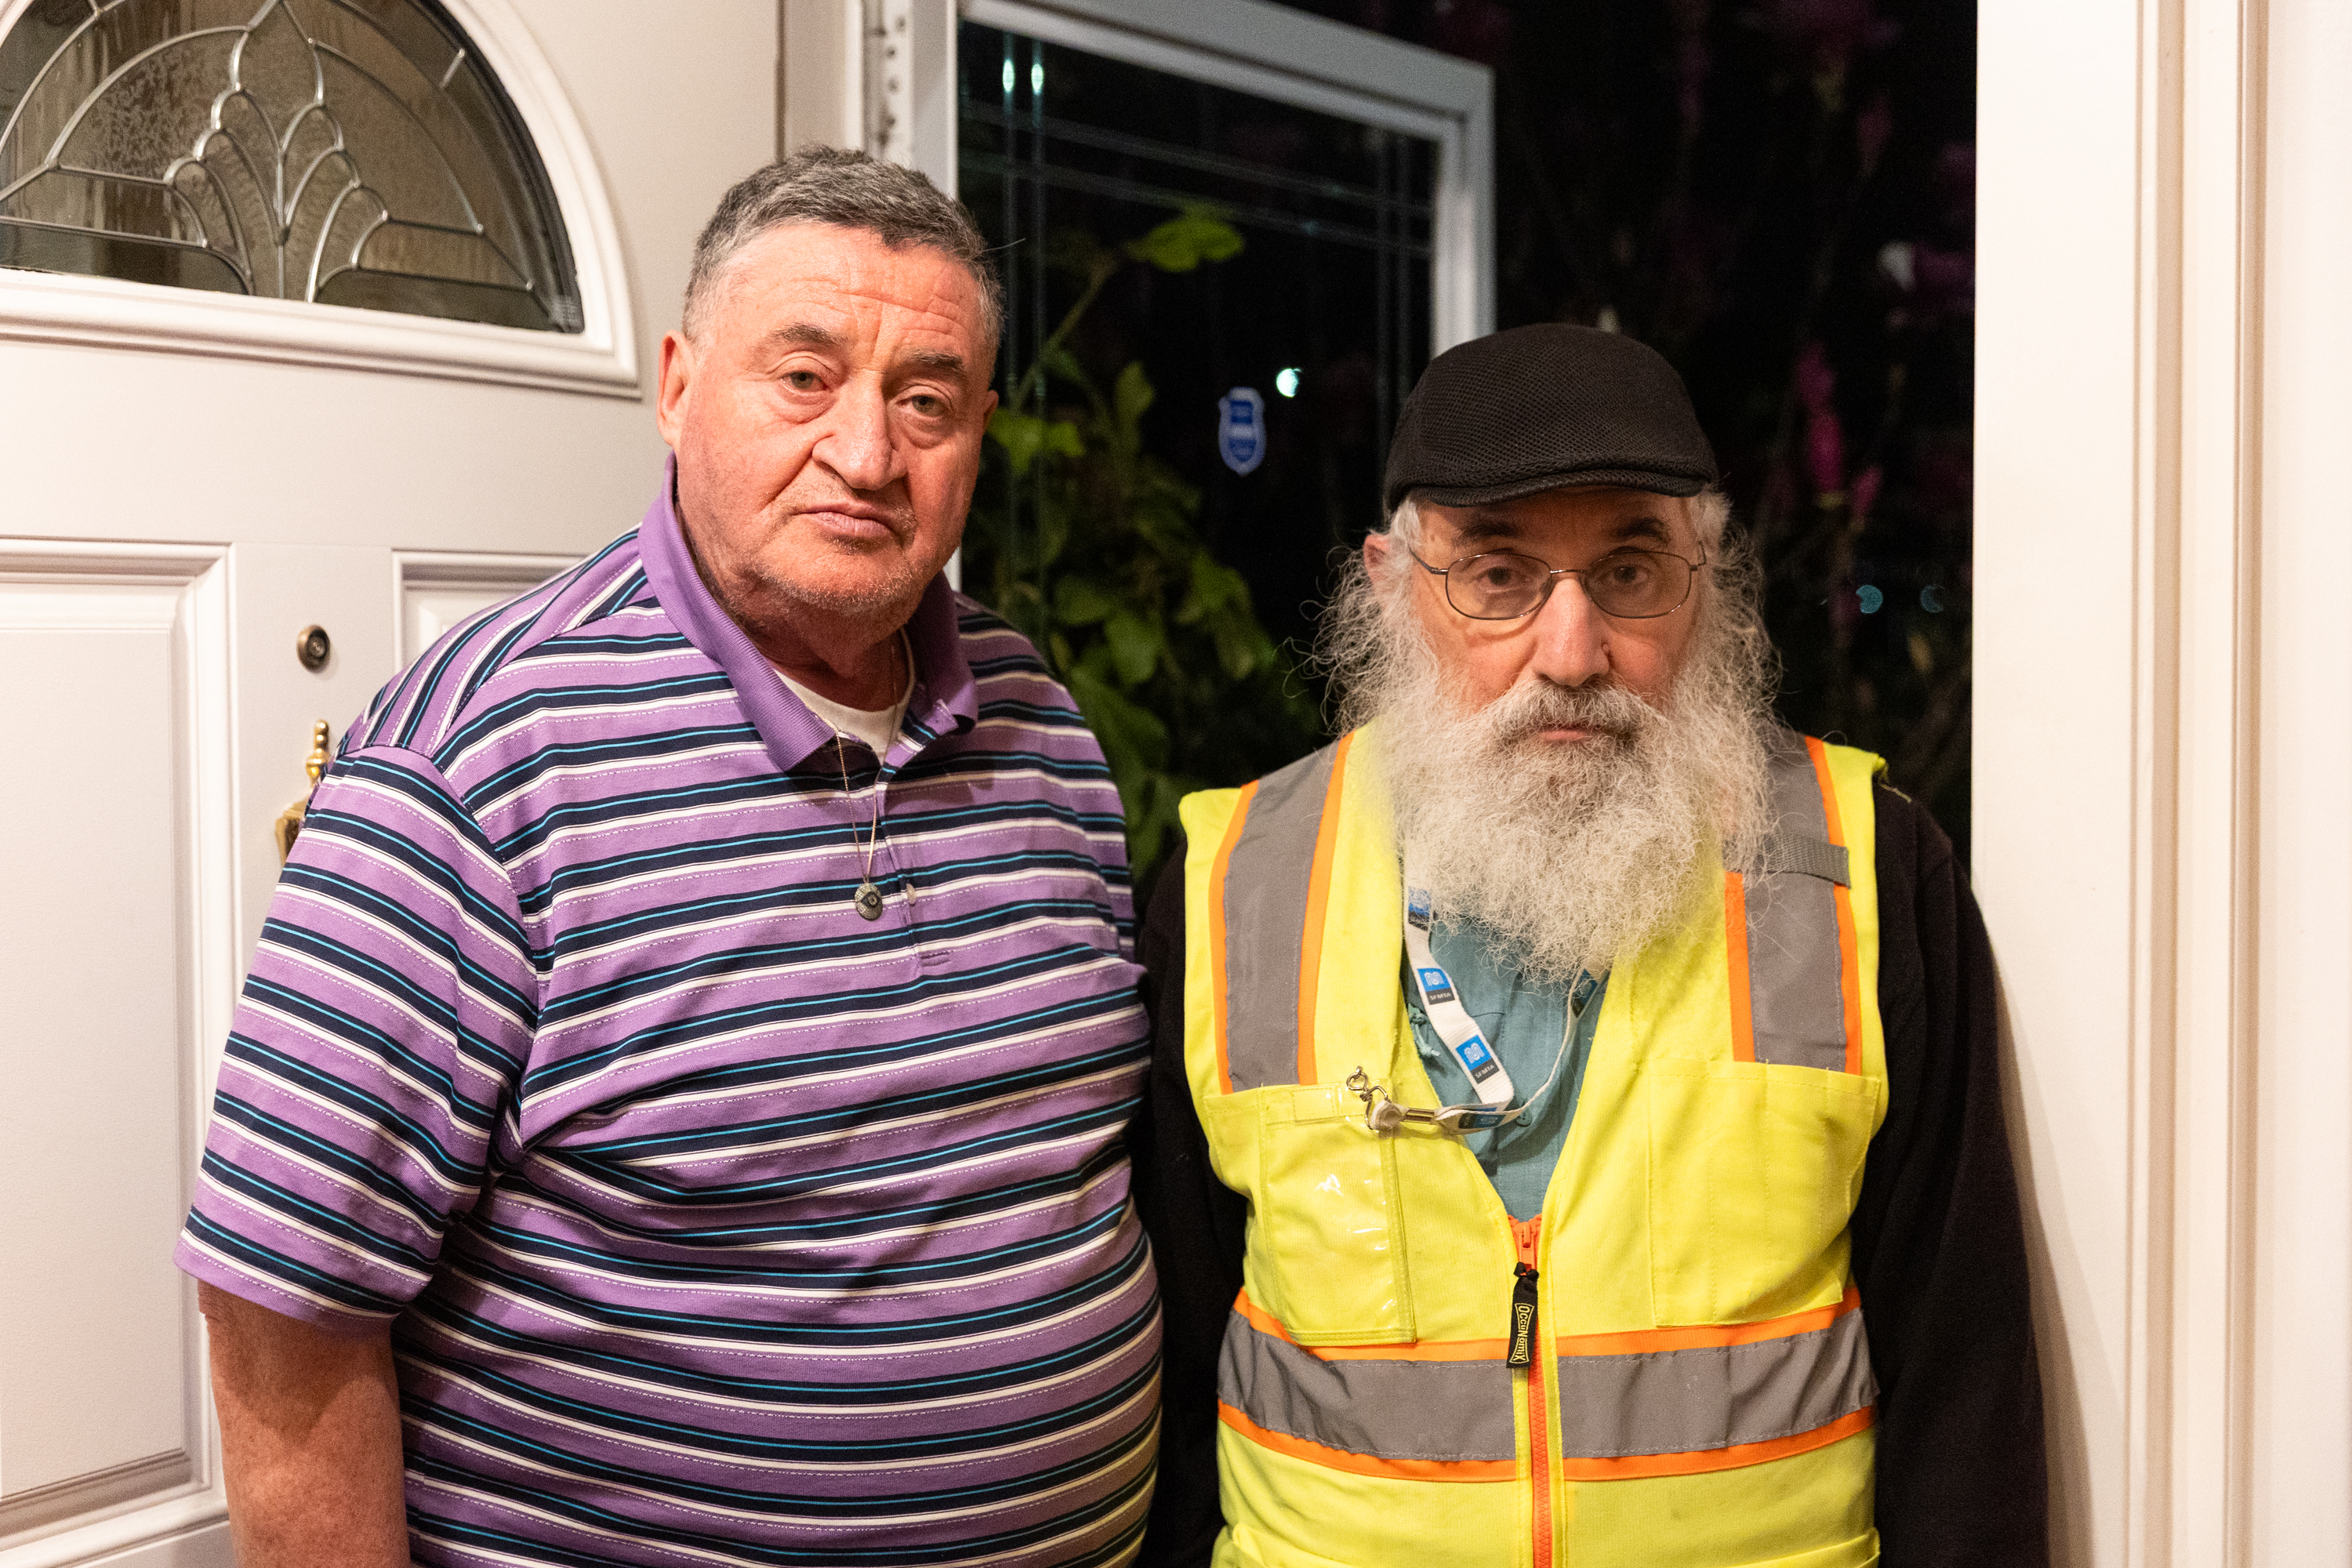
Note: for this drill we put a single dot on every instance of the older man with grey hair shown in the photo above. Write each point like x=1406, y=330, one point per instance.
x=1576, y=1132
x=674, y=1114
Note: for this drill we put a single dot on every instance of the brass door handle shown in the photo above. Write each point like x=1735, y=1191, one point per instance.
x=289, y=821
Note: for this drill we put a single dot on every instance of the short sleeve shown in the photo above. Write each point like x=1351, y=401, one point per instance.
x=374, y=1055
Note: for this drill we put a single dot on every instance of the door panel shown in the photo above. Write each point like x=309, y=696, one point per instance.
x=169, y=522
x=115, y=697
x=440, y=588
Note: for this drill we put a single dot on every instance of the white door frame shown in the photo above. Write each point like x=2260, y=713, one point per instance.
x=880, y=74
x=2163, y=751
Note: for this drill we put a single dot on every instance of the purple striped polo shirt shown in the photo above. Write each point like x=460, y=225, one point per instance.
x=713, y=1223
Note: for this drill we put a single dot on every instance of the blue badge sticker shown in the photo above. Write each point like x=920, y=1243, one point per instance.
x=1416, y=907
x=1436, y=985
x=1241, y=429
x=1476, y=1059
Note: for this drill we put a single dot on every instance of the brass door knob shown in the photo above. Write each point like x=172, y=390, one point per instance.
x=289, y=821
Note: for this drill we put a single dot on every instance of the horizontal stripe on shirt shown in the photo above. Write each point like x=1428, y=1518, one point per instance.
x=712, y=1223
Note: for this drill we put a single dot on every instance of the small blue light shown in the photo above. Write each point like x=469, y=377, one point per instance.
x=1285, y=381
x=1037, y=79
x=1008, y=75
x=1871, y=598
x=1931, y=599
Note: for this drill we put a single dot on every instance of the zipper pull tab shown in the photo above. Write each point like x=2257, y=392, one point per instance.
x=1523, y=1316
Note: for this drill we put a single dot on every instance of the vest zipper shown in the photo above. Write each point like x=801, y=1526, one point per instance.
x=1526, y=1354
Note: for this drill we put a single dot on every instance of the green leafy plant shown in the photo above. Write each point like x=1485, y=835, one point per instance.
x=1088, y=545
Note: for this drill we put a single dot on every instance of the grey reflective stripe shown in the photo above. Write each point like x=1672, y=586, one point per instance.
x=1610, y=1407
x=1386, y=1409
x=1717, y=1396
x=1265, y=921
x=1795, y=968
x=1805, y=857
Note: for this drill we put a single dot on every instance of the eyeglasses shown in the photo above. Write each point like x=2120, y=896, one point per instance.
x=1502, y=584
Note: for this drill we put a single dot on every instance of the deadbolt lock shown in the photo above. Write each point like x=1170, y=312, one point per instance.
x=311, y=645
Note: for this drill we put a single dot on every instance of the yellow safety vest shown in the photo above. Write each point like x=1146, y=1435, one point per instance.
x=1697, y=1392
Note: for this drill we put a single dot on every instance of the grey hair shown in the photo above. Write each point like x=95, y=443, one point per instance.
x=851, y=189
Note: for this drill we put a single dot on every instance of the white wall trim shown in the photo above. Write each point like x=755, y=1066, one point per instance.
x=2162, y=756
x=602, y=358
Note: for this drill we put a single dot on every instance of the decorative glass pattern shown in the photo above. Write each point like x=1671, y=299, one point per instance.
x=348, y=152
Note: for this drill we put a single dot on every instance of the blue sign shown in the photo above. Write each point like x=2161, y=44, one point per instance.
x=1436, y=985
x=1241, y=429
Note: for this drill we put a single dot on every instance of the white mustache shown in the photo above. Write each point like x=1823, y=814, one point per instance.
x=1533, y=706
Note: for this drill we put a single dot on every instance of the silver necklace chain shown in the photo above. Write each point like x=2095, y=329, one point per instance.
x=868, y=897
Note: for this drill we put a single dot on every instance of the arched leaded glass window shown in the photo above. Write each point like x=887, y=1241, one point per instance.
x=348, y=152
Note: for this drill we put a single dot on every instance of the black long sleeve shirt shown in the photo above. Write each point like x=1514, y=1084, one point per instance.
x=1938, y=1251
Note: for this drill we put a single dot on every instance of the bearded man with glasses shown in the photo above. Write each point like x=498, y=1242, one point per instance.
x=1575, y=1132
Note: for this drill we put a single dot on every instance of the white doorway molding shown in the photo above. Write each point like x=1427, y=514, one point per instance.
x=2164, y=752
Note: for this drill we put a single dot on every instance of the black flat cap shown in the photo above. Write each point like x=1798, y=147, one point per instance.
x=1542, y=409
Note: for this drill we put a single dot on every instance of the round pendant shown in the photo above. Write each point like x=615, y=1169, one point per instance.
x=869, y=900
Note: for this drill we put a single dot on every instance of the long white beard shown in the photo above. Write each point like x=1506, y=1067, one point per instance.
x=1573, y=855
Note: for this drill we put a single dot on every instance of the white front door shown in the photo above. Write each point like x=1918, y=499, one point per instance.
x=190, y=478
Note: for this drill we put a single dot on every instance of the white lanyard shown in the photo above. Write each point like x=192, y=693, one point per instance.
x=1441, y=1000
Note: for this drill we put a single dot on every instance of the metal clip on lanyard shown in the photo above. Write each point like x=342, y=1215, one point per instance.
x=1382, y=1114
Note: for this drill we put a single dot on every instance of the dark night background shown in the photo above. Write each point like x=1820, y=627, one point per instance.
x=1779, y=195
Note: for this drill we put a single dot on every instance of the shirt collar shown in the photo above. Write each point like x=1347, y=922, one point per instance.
x=945, y=699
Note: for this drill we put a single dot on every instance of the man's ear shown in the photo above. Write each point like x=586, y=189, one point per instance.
x=1376, y=553
x=678, y=366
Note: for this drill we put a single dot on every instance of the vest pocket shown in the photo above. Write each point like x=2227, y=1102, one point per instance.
x=1754, y=1169
x=1326, y=1251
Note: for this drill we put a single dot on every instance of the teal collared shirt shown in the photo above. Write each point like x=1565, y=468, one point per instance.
x=1522, y=1021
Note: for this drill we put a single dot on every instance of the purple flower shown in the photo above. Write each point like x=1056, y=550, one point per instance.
x=1871, y=127
x=1815, y=379
x=1863, y=494
x=1824, y=432
x=1825, y=453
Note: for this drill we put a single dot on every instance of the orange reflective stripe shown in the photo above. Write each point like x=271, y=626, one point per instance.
x=1265, y=1322
x=1734, y=949
x=1319, y=899
x=1708, y=1459
x=1849, y=945
x=1217, y=933
x=1711, y=1336
x=1367, y=1464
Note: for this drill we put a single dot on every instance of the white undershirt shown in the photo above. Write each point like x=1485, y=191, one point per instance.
x=877, y=727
